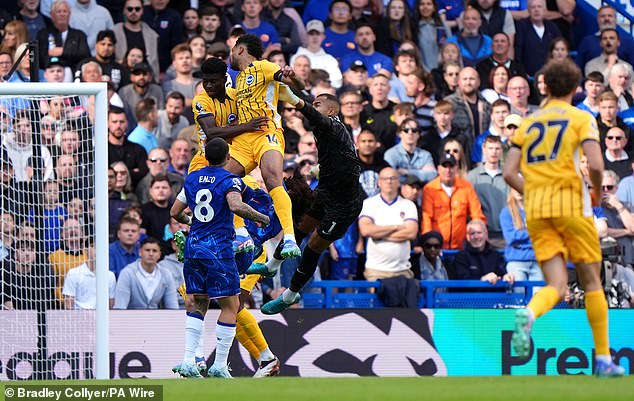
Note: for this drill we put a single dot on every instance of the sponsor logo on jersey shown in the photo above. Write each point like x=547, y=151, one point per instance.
x=249, y=80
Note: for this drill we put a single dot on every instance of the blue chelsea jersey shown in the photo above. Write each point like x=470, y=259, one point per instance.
x=212, y=230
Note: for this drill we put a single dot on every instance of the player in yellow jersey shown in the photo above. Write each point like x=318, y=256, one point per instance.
x=258, y=91
x=546, y=150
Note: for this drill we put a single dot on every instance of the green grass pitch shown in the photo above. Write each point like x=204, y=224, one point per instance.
x=535, y=388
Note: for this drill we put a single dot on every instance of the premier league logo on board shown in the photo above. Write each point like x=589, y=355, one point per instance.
x=232, y=117
x=249, y=80
x=369, y=352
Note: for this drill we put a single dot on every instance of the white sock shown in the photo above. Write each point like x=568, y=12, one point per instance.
x=603, y=358
x=288, y=296
x=224, y=338
x=242, y=231
x=199, y=351
x=193, y=331
x=289, y=237
x=266, y=355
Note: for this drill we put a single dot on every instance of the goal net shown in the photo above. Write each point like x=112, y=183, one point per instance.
x=53, y=317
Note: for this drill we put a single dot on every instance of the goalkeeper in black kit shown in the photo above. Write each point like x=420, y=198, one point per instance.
x=339, y=196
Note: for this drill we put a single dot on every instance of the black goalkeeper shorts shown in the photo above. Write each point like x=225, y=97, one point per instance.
x=336, y=213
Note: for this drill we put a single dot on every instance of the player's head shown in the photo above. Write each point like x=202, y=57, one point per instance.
x=327, y=104
x=301, y=195
x=214, y=74
x=247, y=46
x=217, y=152
x=561, y=77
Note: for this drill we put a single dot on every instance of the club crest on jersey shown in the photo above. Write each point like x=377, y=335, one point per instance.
x=249, y=80
x=231, y=118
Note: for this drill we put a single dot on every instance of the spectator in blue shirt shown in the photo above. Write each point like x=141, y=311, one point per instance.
x=125, y=249
x=474, y=46
x=594, y=87
x=339, y=39
x=54, y=215
x=147, y=117
x=253, y=24
x=374, y=61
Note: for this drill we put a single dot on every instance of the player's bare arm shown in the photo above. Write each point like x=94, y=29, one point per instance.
x=178, y=212
x=234, y=199
x=592, y=150
x=512, y=169
x=208, y=124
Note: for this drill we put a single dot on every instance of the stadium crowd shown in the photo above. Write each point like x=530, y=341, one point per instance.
x=430, y=90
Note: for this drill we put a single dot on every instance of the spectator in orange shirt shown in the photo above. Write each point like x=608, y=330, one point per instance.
x=448, y=202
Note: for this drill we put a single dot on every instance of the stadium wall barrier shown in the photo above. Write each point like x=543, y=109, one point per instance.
x=320, y=343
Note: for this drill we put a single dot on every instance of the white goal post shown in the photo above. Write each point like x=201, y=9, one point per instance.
x=100, y=145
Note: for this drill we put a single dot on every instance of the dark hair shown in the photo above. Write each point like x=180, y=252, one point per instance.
x=252, y=43
x=301, y=195
x=159, y=178
x=275, y=53
x=369, y=132
x=127, y=52
x=210, y=10
x=435, y=16
x=107, y=33
x=492, y=139
x=501, y=102
x=175, y=95
x=595, y=76
x=143, y=108
x=554, y=42
x=561, y=77
x=115, y=110
x=213, y=66
x=216, y=151
x=346, y=2
x=408, y=120
x=364, y=25
x=150, y=240
x=492, y=73
x=333, y=100
x=610, y=30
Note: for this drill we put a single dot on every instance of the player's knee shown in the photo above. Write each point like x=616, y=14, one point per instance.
x=271, y=181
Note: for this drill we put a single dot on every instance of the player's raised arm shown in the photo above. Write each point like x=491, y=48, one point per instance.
x=234, y=199
x=287, y=76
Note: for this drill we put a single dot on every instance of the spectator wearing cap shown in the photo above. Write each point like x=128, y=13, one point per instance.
x=167, y=23
x=284, y=25
x=133, y=32
x=339, y=39
x=54, y=71
x=356, y=79
x=104, y=54
x=474, y=45
x=431, y=265
x=141, y=87
x=210, y=23
x=374, y=61
x=389, y=222
x=489, y=184
x=316, y=53
x=511, y=123
x=90, y=18
x=448, y=203
x=253, y=24
x=408, y=159
x=60, y=40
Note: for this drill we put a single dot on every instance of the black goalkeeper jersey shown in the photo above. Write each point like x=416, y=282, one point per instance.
x=339, y=165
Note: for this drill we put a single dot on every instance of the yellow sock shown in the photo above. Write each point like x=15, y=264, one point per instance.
x=242, y=319
x=597, y=312
x=238, y=221
x=247, y=322
x=283, y=208
x=544, y=300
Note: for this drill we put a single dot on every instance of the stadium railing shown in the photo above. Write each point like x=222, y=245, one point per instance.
x=336, y=294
